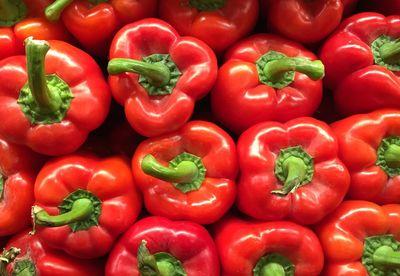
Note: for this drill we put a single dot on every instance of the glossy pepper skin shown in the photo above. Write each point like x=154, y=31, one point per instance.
x=218, y=23
x=158, y=76
x=83, y=203
x=26, y=19
x=361, y=238
x=290, y=171
x=369, y=146
x=37, y=259
x=18, y=168
x=254, y=248
x=187, y=242
x=94, y=22
x=188, y=174
x=360, y=61
x=258, y=83
x=56, y=98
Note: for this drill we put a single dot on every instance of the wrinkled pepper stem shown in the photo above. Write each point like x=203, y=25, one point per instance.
x=54, y=10
x=273, y=269
x=385, y=257
x=1, y=189
x=207, y=5
x=390, y=51
x=295, y=170
x=392, y=156
x=7, y=257
x=11, y=12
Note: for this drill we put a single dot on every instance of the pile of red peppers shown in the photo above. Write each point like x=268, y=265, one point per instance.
x=199, y=137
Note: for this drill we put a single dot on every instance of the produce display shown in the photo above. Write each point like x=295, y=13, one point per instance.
x=199, y=138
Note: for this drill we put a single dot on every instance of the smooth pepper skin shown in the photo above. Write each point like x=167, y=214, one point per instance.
x=217, y=192
x=18, y=168
x=241, y=244
x=343, y=232
x=156, y=115
x=239, y=99
x=87, y=111
x=258, y=150
x=358, y=83
x=50, y=262
x=359, y=138
x=109, y=179
x=219, y=28
x=187, y=241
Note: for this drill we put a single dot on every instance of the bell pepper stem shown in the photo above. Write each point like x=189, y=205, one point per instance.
x=390, y=51
x=274, y=69
x=185, y=172
x=386, y=257
x=207, y=5
x=81, y=209
x=6, y=258
x=54, y=10
x=295, y=171
x=157, y=74
x=273, y=269
x=392, y=156
x=11, y=12
x=147, y=263
x=1, y=188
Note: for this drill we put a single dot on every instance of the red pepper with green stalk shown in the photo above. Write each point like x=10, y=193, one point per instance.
x=278, y=248
x=27, y=255
x=219, y=23
x=159, y=246
x=21, y=19
x=95, y=22
x=266, y=77
x=84, y=203
x=18, y=168
x=361, y=238
x=369, y=146
x=188, y=174
x=362, y=63
x=56, y=95
x=158, y=75
x=290, y=171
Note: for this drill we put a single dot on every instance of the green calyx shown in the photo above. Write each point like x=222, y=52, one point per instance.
x=274, y=265
x=54, y=10
x=159, y=264
x=381, y=256
x=186, y=171
x=386, y=51
x=388, y=155
x=7, y=257
x=158, y=73
x=1, y=187
x=24, y=268
x=207, y=5
x=43, y=99
x=80, y=210
x=277, y=70
x=295, y=168
x=11, y=12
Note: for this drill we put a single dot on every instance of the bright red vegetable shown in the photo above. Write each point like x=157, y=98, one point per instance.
x=266, y=77
x=369, y=146
x=34, y=258
x=83, y=203
x=56, y=95
x=361, y=238
x=188, y=174
x=219, y=23
x=290, y=171
x=157, y=244
x=158, y=75
x=361, y=61
x=279, y=248
x=94, y=22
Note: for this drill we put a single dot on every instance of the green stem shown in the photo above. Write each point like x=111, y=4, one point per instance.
x=207, y=5
x=6, y=258
x=1, y=188
x=11, y=12
x=386, y=257
x=295, y=170
x=157, y=74
x=184, y=172
x=390, y=51
x=273, y=269
x=275, y=69
x=392, y=156
x=54, y=10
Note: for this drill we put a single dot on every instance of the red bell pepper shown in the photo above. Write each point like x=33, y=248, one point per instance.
x=361, y=238
x=279, y=248
x=219, y=23
x=159, y=246
x=188, y=174
x=369, y=146
x=361, y=61
x=158, y=75
x=290, y=171
x=52, y=99
x=94, y=22
x=83, y=203
x=18, y=168
x=32, y=257
x=22, y=19
x=266, y=77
